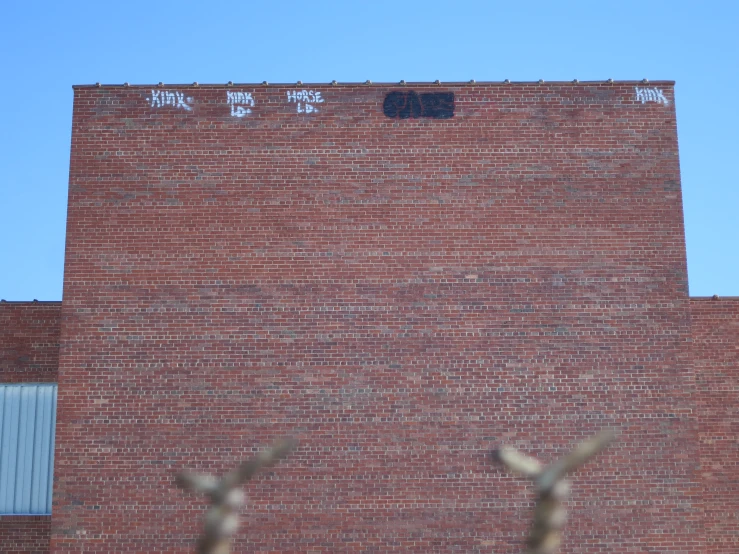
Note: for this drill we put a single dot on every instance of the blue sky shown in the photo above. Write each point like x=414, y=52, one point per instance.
x=46, y=47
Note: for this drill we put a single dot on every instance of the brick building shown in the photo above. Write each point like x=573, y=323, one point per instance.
x=403, y=277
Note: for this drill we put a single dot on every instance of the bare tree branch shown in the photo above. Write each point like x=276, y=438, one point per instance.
x=552, y=488
x=222, y=519
x=520, y=463
x=577, y=457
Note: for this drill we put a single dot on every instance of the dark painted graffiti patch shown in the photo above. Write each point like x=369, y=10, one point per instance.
x=409, y=104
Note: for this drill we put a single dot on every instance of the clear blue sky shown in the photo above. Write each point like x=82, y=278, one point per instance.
x=46, y=47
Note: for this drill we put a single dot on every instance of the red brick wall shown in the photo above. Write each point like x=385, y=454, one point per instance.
x=29, y=353
x=25, y=534
x=403, y=295
x=716, y=357
x=29, y=341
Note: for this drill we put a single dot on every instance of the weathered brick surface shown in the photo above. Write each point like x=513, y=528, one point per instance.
x=25, y=534
x=29, y=341
x=29, y=353
x=716, y=356
x=402, y=295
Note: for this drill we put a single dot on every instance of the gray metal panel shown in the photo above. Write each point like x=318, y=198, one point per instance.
x=27, y=422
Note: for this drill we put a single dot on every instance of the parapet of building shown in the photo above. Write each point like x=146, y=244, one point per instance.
x=29, y=341
x=403, y=277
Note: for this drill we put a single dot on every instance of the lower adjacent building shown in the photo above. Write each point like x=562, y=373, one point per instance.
x=403, y=277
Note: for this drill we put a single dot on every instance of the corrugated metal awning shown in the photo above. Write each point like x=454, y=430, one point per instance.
x=27, y=424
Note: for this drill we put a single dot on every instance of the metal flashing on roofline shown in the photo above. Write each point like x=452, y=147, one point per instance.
x=31, y=302
x=602, y=82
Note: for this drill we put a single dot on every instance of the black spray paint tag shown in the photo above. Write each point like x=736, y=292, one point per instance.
x=409, y=104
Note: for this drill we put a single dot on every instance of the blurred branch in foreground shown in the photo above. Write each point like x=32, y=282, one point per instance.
x=551, y=487
x=222, y=518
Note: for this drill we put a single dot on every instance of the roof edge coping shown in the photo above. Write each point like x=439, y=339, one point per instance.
x=384, y=84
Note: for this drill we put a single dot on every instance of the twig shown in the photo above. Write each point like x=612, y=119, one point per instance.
x=552, y=488
x=222, y=519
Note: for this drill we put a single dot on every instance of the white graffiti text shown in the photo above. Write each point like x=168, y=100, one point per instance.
x=240, y=102
x=651, y=95
x=160, y=98
x=306, y=100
